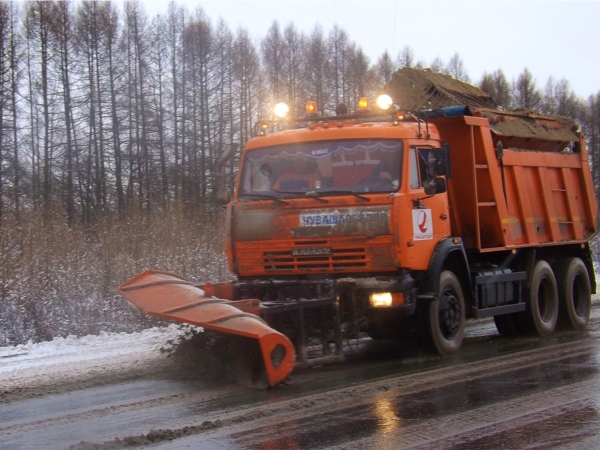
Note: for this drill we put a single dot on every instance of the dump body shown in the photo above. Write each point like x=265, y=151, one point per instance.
x=523, y=198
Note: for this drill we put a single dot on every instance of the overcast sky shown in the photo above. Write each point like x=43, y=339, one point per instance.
x=550, y=38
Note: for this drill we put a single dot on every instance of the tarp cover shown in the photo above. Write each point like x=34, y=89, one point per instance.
x=418, y=89
x=530, y=125
x=415, y=89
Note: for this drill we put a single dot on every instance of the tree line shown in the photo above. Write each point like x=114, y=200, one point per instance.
x=103, y=111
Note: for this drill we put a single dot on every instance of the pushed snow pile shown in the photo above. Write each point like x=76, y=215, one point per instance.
x=72, y=349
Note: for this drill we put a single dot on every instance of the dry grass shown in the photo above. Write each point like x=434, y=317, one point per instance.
x=56, y=280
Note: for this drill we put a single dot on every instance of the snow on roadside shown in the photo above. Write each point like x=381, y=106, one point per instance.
x=69, y=350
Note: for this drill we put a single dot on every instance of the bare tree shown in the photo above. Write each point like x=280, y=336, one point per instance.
x=176, y=25
x=292, y=73
x=15, y=60
x=273, y=54
x=340, y=53
x=318, y=68
x=456, y=68
x=159, y=62
x=568, y=104
x=62, y=30
x=437, y=65
x=38, y=31
x=111, y=30
x=4, y=94
x=497, y=86
x=198, y=52
x=224, y=108
x=136, y=42
x=385, y=67
x=526, y=93
x=360, y=76
x=406, y=57
x=247, y=83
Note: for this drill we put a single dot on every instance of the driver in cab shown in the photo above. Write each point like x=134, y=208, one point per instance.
x=304, y=174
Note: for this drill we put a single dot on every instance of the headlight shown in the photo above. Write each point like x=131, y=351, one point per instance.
x=381, y=299
x=385, y=299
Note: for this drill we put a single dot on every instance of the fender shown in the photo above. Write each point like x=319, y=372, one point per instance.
x=589, y=262
x=446, y=255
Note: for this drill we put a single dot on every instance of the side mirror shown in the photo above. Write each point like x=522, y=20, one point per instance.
x=223, y=195
x=228, y=154
x=441, y=158
x=436, y=162
x=435, y=186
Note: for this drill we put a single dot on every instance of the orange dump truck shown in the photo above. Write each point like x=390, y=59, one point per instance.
x=396, y=223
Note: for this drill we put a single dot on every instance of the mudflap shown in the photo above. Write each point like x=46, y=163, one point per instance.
x=169, y=296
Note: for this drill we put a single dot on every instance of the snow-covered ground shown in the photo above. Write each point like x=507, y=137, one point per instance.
x=64, y=351
x=65, y=364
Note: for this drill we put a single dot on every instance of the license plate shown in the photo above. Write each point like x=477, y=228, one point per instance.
x=311, y=251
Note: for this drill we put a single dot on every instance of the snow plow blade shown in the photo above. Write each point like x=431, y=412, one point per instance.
x=169, y=296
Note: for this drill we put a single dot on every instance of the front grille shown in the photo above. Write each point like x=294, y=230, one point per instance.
x=315, y=256
x=340, y=258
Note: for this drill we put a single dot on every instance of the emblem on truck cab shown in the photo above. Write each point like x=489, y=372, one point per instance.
x=422, y=224
x=312, y=251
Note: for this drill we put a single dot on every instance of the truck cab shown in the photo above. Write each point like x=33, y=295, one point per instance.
x=343, y=213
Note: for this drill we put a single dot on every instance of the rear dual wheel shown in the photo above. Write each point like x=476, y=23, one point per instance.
x=574, y=293
x=541, y=314
x=542, y=309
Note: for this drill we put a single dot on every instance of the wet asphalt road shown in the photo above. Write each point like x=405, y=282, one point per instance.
x=496, y=394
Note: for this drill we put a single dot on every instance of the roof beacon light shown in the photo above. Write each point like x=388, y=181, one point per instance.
x=312, y=108
x=384, y=102
x=364, y=104
x=263, y=125
x=281, y=110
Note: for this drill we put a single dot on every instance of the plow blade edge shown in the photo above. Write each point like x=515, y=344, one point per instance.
x=169, y=296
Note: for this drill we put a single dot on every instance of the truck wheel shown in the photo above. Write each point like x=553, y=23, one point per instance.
x=447, y=316
x=542, y=307
x=574, y=293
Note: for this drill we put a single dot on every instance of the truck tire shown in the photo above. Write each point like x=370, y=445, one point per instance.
x=446, y=318
x=542, y=306
x=574, y=294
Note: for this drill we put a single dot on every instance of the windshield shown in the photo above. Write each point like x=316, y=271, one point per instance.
x=355, y=166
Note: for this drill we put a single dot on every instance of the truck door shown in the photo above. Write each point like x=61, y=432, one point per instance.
x=422, y=220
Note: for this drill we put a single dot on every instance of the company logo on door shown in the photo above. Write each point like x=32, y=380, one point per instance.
x=422, y=224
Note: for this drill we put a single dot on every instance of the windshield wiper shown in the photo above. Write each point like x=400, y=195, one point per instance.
x=266, y=197
x=327, y=193
x=310, y=194
x=316, y=195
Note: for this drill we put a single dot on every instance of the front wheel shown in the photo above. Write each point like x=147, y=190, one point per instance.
x=447, y=316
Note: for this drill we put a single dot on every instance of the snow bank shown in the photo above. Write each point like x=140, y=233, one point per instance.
x=71, y=349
